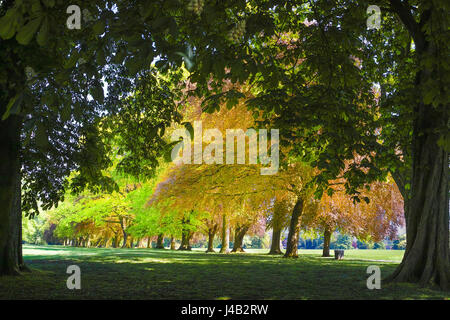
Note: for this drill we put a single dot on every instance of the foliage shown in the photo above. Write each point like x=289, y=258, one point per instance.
x=343, y=241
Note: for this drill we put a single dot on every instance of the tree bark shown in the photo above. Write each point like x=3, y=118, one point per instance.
x=186, y=236
x=426, y=258
x=294, y=229
x=160, y=241
x=172, y=243
x=185, y=241
x=239, y=234
x=115, y=242
x=211, y=235
x=125, y=235
x=225, y=235
x=276, y=239
x=326, y=243
x=10, y=188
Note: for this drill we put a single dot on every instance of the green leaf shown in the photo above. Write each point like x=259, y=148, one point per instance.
x=41, y=136
x=444, y=142
x=146, y=12
x=27, y=32
x=49, y=3
x=97, y=92
x=330, y=192
x=43, y=33
x=36, y=6
x=11, y=105
x=101, y=60
x=99, y=27
x=189, y=128
x=133, y=65
x=8, y=24
x=66, y=113
x=72, y=61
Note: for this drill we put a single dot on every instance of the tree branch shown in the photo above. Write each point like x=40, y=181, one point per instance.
x=404, y=13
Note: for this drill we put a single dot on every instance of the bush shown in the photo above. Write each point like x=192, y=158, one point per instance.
x=343, y=242
x=379, y=245
x=399, y=244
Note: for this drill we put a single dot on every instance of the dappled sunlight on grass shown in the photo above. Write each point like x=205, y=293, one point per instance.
x=167, y=274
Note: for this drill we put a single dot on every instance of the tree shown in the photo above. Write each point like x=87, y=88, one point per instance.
x=374, y=219
x=225, y=195
x=293, y=185
x=316, y=66
x=278, y=220
x=52, y=100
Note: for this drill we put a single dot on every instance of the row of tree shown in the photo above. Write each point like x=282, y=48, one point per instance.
x=189, y=200
x=334, y=88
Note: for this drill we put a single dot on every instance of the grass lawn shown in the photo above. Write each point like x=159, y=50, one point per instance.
x=165, y=274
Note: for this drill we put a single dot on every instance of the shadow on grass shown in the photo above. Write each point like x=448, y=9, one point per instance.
x=166, y=274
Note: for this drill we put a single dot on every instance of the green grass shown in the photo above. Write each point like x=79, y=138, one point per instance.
x=165, y=274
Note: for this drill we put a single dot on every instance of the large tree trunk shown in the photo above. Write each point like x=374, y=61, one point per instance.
x=426, y=259
x=239, y=238
x=276, y=239
x=160, y=241
x=326, y=243
x=211, y=234
x=10, y=188
x=186, y=236
x=294, y=229
x=185, y=241
x=225, y=235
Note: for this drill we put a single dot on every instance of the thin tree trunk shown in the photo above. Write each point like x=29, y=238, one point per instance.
x=148, y=242
x=172, y=243
x=211, y=234
x=125, y=235
x=116, y=241
x=160, y=241
x=276, y=239
x=225, y=235
x=294, y=229
x=326, y=243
